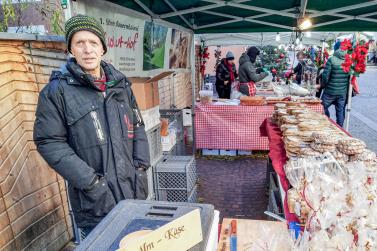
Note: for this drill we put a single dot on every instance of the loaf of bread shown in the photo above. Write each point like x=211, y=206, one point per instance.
x=256, y=100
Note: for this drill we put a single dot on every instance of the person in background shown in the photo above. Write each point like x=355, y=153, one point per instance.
x=372, y=51
x=335, y=84
x=318, y=82
x=89, y=129
x=247, y=72
x=225, y=75
x=299, y=70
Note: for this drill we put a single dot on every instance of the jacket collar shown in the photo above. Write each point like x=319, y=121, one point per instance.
x=76, y=76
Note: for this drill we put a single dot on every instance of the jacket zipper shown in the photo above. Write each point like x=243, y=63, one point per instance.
x=97, y=126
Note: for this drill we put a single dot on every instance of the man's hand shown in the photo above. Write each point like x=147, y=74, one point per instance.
x=95, y=181
x=226, y=82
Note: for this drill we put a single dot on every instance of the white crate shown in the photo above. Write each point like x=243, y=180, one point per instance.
x=187, y=117
x=208, y=152
x=228, y=152
x=151, y=117
x=243, y=152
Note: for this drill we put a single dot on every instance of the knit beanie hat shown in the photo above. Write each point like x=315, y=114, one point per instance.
x=84, y=23
x=252, y=52
x=337, y=45
x=229, y=55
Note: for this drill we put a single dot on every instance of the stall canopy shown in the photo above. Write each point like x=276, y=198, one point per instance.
x=240, y=16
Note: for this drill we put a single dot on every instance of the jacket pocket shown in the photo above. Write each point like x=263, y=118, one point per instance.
x=99, y=200
x=141, y=185
x=86, y=126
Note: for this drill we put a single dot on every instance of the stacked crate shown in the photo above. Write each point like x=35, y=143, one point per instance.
x=151, y=118
x=176, y=179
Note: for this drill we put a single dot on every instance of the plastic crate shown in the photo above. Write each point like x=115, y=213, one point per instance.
x=132, y=215
x=154, y=141
x=176, y=172
x=244, y=153
x=177, y=115
x=228, y=152
x=209, y=152
x=178, y=195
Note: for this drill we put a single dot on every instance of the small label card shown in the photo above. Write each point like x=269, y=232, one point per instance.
x=178, y=235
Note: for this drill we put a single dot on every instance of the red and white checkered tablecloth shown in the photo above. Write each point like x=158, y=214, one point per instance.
x=233, y=127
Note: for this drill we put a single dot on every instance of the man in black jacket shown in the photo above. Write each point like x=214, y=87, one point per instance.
x=89, y=129
x=225, y=75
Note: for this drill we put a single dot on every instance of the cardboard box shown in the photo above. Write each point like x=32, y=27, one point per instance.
x=146, y=91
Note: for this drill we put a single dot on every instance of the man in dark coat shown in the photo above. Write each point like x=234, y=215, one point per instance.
x=225, y=75
x=248, y=75
x=335, y=83
x=89, y=129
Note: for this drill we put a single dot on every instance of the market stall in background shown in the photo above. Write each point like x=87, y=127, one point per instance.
x=321, y=181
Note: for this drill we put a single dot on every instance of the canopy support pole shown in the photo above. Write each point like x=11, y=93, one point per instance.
x=348, y=106
x=193, y=87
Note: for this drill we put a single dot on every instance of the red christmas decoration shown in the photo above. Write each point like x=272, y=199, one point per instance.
x=204, y=55
x=346, y=45
x=282, y=55
x=354, y=60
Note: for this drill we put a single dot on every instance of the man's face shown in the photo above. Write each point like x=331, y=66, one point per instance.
x=231, y=61
x=87, y=48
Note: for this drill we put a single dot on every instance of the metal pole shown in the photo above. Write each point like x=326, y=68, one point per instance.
x=349, y=101
x=348, y=107
x=193, y=86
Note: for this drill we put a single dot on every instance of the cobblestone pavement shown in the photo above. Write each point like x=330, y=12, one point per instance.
x=363, y=120
x=237, y=188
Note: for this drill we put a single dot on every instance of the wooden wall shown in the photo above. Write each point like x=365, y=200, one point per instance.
x=33, y=202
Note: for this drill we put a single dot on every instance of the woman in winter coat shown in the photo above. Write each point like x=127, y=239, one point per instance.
x=225, y=75
x=247, y=72
x=299, y=70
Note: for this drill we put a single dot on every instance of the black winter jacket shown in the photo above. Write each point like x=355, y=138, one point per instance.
x=83, y=135
x=223, y=74
x=299, y=71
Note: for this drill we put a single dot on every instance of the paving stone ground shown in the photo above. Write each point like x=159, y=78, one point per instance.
x=365, y=104
x=237, y=188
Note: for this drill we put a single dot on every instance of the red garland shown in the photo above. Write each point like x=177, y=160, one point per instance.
x=204, y=55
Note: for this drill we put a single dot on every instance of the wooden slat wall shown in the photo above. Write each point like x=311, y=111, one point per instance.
x=33, y=203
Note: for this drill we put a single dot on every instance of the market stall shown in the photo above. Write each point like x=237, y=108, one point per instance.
x=233, y=127
x=226, y=125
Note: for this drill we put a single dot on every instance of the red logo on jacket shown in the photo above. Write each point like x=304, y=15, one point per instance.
x=130, y=127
